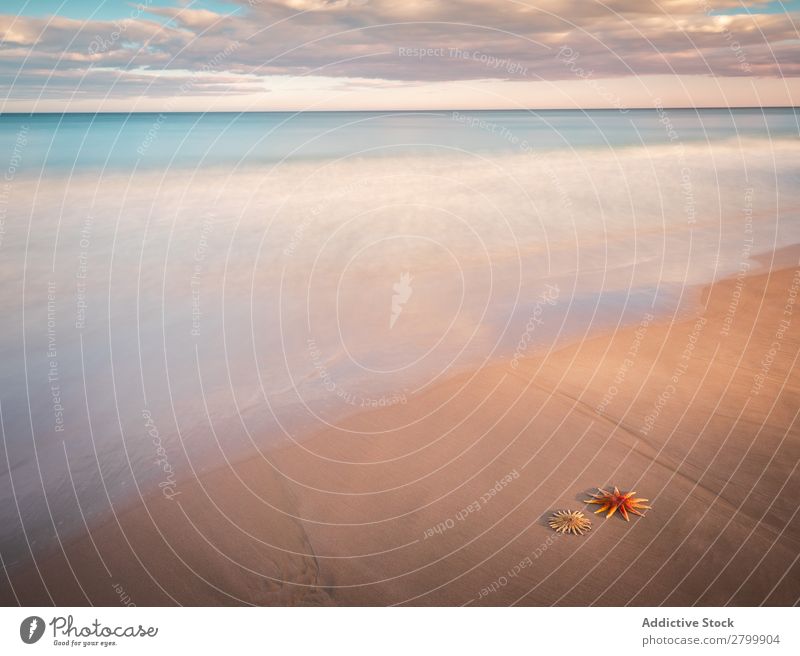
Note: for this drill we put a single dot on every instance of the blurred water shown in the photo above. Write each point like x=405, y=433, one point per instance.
x=157, y=141
x=182, y=290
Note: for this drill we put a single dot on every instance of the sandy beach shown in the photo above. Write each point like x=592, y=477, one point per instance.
x=444, y=500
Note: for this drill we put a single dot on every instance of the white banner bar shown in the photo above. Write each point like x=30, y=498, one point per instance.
x=400, y=631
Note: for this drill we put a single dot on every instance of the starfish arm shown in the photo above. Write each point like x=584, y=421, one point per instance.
x=612, y=511
x=624, y=513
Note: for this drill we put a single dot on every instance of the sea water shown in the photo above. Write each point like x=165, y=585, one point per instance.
x=181, y=290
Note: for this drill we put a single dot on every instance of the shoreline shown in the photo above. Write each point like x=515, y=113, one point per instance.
x=399, y=516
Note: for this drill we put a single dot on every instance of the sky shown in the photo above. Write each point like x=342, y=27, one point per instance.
x=251, y=55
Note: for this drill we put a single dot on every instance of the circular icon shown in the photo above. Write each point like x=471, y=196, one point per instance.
x=31, y=629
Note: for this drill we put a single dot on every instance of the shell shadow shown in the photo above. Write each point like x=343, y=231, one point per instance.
x=542, y=520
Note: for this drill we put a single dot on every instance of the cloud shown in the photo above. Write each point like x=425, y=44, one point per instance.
x=391, y=41
x=199, y=19
x=625, y=37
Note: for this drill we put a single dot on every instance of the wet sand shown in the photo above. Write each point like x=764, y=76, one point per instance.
x=444, y=500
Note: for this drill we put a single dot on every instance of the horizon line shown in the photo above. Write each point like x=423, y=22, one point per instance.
x=407, y=111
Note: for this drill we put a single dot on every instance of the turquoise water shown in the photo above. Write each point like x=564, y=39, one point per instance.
x=122, y=141
x=182, y=290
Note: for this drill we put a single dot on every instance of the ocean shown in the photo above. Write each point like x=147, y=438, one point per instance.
x=182, y=290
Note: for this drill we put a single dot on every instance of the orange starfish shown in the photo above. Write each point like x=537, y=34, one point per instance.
x=612, y=502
